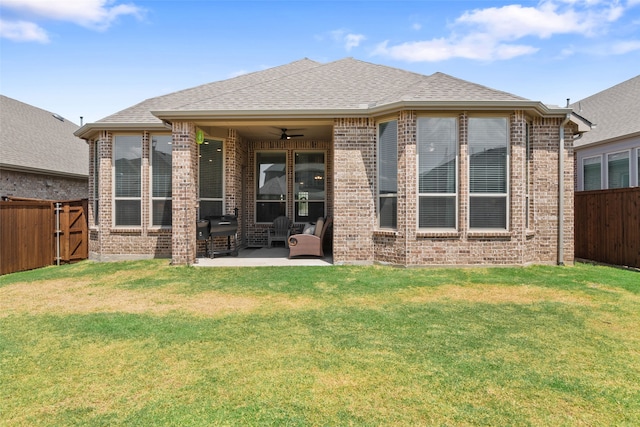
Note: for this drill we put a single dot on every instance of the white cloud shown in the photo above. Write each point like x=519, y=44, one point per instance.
x=349, y=40
x=626, y=46
x=492, y=33
x=22, y=31
x=94, y=14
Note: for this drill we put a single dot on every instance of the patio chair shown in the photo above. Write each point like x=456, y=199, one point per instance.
x=310, y=244
x=279, y=231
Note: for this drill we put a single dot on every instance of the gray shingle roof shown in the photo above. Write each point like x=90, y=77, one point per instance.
x=308, y=85
x=614, y=111
x=32, y=139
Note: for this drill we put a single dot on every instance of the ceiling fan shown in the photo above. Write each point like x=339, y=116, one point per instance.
x=284, y=134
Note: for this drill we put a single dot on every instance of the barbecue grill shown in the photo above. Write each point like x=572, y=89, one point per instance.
x=221, y=226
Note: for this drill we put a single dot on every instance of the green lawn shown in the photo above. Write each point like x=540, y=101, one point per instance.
x=144, y=343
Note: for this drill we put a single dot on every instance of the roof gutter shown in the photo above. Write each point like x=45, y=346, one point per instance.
x=363, y=110
x=88, y=130
x=561, y=191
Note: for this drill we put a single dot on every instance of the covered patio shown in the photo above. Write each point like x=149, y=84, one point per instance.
x=263, y=257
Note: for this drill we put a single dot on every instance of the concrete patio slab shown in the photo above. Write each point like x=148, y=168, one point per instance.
x=262, y=257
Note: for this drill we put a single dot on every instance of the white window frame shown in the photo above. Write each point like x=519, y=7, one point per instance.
x=379, y=195
x=151, y=197
x=507, y=194
x=220, y=199
x=324, y=200
x=114, y=198
x=606, y=174
x=256, y=200
x=455, y=194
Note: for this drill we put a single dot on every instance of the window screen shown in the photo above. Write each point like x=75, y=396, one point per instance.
x=618, y=170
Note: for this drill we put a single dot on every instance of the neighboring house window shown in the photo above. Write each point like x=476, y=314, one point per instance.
x=96, y=181
x=127, y=159
x=271, y=185
x=592, y=173
x=161, y=180
x=488, y=177
x=309, y=186
x=638, y=167
x=437, y=172
x=210, y=180
x=618, y=170
x=388, y=174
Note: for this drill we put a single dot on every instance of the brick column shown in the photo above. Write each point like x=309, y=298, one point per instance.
x=354, y=190
x=184, y=193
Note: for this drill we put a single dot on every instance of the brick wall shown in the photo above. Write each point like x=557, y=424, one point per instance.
x=40, y=186
x=355, y=175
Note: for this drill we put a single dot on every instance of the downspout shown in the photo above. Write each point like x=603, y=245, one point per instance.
x=561, y=192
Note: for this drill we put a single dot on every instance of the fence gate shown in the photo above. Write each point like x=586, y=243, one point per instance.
x=37, y=233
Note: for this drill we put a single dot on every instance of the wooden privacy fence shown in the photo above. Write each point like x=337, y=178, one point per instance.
x=607, y=226
x=37, y=233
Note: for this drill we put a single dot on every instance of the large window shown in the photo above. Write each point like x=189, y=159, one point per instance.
x=618, y=170
x=161, y=180
x=388, y=174
x=210, y=183
x=309, y=185
x=488, y=172
x=127, y=160
x=592, y=173
x=271, y=185
x=437, y=172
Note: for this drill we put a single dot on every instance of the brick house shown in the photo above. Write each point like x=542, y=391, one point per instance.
x=40, y=158
x=415, y=170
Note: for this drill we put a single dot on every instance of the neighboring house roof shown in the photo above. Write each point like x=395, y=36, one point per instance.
x=38, y=141
x=308, y=88
x=614, y=113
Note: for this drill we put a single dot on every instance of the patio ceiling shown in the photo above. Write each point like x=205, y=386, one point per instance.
x=269, y=130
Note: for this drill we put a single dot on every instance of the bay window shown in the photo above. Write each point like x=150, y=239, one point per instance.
x=488, y=172
x=127, y=161
x=161, y=180
x=388, y=174
x=210, y=178
x=437, y=172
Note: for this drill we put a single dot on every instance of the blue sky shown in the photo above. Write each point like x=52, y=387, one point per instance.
x=92, y=58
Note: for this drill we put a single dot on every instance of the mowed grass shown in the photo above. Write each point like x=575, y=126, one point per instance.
x=144, y=343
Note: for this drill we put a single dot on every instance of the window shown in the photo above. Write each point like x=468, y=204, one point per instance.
x=96, y=180
x=210, y=179
x=488, y=166
x=592, y=173
x=161, y=181
x=388, y=174
x=638, y=167
x=437, y=172
x=271, y=185
x=127, y=159
x=309, y=186
x=618, y=170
